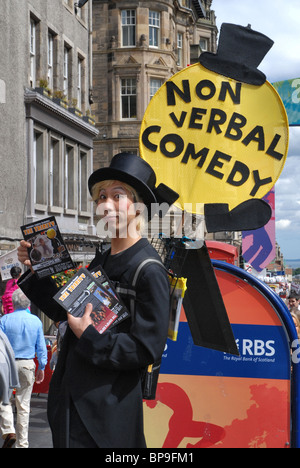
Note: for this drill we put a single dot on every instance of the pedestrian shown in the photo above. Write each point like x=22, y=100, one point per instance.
x=25, y=334
x=8, y=370
x=294, y=303
x=11, y=286
x=95, y=396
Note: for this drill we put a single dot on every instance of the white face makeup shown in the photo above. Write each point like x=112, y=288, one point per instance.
x=115, y=206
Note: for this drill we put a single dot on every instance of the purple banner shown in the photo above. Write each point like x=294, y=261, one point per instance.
x=259, y=247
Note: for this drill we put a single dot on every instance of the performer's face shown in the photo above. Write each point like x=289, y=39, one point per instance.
x=115, y=206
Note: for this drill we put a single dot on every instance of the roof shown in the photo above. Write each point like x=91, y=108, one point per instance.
x=199, y=8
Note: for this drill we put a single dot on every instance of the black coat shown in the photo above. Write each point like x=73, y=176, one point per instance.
x=99, y=375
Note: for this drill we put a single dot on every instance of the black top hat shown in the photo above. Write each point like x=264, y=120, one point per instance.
x=240, y=51
x=137, y=173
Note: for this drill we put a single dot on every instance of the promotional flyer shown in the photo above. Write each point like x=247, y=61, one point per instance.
x=48, y=252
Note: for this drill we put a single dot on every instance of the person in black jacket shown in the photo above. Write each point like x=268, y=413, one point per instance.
x=95, y=397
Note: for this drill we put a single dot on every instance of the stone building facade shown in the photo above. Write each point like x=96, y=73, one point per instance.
x=46, y=150
x=137, y=46
x=106, y=58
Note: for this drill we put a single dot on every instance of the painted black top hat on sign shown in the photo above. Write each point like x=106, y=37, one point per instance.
x=240, y=52
x=137, y=173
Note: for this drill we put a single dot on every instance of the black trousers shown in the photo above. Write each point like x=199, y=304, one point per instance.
x=79, y=437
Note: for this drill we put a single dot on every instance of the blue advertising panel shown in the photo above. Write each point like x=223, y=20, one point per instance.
x=289, y=92
x=207, y=398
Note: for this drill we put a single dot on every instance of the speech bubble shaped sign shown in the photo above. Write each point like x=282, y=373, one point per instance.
x=213, y=139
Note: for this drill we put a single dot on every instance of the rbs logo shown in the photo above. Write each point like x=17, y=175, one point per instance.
x=249, y=347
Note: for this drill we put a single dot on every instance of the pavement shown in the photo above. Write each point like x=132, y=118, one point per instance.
x=39, y=430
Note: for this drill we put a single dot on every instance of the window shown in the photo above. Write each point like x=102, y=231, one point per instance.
x=50, y=59
x=128, y=98
x=40, y=170
x=83, y=177
x=155, y=84
x=55, y=173
x=154, y=28
x=128, y=28
x=60, y=174
x=66, y=71
x=70, y=178
x=180, y=49
x=32, y=53
x=79, y=82
x=204, y=45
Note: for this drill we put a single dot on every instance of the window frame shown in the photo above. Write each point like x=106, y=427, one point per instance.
x=80, y=74
x=33, y=52
x=70, y=178
x=154, y=29
x=40, y=205
x=66, y=72
x=59, y=187
x=204, y=40
x=130, y=27
x=154, y=89
x=50, y=59
x=83, y=186
x=180, y=38
x=129, y=97
x=68, y=185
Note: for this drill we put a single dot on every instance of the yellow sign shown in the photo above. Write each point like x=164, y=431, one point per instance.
x=215, y=140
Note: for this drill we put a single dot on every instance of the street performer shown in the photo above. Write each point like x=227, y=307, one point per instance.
x=95, y=397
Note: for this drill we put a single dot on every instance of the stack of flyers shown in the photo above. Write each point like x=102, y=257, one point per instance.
x=103, y=279
x=84, y=289
x=48, y=253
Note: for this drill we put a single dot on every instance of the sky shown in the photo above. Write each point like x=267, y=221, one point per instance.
x=280, y=21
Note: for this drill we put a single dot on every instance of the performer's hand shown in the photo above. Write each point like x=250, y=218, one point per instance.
x=23, y=256
x=79, y=324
